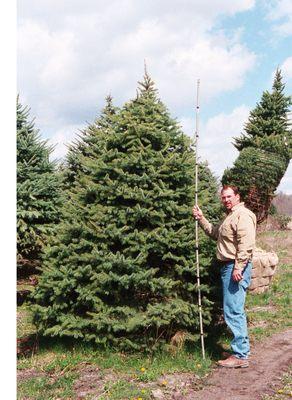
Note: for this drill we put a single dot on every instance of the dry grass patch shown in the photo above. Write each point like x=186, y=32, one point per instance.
x=279, y=242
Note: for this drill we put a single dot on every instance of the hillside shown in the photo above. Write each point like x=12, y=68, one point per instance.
x=283, y=203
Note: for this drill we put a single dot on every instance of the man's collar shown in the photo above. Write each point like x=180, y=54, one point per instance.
x=237, y=206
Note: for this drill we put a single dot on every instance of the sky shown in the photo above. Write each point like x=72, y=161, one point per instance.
x=71, y=54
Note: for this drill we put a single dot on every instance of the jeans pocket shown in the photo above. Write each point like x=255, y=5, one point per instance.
x=244, y=284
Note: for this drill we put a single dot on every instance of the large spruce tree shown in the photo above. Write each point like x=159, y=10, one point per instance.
x=88, y=144
x=121, y=269
x=38, y=191
x=268, y=126
x=265, y=150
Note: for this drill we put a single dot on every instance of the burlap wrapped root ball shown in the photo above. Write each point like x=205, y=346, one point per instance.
x=257, y=173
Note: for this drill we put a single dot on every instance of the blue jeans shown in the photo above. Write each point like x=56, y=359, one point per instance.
x=234, y=294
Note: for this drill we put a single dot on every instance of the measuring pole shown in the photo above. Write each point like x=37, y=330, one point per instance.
x=196, y=223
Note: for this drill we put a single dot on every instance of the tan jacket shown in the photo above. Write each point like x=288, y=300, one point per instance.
x=235, y=235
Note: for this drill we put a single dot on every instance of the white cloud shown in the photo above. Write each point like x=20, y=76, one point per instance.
x=281, y=13
x=220, y=67
x=62, y=138
x=286, y=68
x=48, y=56
x=72, y=54
x=286, y=182
x=216, y=137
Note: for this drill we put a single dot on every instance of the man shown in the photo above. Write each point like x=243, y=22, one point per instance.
x=235, y=237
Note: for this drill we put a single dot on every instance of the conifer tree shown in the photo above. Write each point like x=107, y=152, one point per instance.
x=268, y=125
x=265, y=150
x=121, y=269
x=38, y=191
x=89, y=138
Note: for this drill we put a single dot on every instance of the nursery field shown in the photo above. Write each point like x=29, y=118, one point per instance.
x=74, y=370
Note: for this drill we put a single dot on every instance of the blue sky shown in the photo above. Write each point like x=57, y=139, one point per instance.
x=259, y=34
x=71, y=54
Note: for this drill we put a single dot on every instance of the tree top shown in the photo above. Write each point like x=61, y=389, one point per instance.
x=147, y=85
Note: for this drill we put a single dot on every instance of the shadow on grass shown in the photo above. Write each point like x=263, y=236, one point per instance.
x=214, y=341
x=214, y=345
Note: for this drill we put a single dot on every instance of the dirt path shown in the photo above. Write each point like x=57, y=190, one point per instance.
x=268, y=362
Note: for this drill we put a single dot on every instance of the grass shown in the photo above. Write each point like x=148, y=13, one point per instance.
x=57, y=357
x=284, y=390
x=269, y=312
x=58, y=365
x=25, y=326
x=56, y=370
x=278, y=241
x=47, y=388
x=126, y=389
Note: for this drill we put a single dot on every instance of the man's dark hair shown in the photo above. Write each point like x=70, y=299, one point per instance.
x=233, y=187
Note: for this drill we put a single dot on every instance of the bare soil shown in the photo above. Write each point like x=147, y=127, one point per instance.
x=269, y=360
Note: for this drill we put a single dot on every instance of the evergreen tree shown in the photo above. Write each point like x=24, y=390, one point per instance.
x=121, y=269
x=265, y=150
x=268, y=126
x=38, y=191
x=92, y=137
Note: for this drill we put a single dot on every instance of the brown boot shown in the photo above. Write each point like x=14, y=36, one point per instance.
x=233, y=362
x=225, y=355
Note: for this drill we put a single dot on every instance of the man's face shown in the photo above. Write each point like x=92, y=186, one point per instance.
x=229, y=199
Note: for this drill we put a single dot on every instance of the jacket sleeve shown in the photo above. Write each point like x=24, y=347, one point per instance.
x=245, y=240
x=209, y=228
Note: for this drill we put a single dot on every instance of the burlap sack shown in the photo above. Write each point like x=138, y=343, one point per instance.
x=264, y=267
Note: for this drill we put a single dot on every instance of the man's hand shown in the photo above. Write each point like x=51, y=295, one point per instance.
x=236, y=275
x=197, y=213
